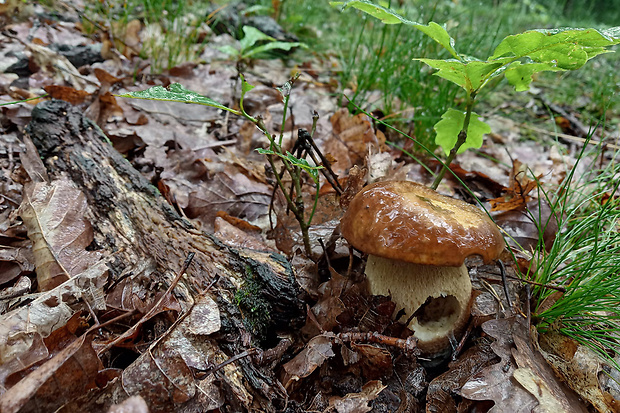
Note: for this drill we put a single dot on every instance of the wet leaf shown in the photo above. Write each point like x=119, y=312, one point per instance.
x=175, y=93
x=521, y=367
x=450, y=125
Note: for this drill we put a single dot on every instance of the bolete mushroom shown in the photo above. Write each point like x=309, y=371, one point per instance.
x=417, y=241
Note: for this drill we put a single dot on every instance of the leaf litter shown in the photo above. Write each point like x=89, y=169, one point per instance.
x=349, y=357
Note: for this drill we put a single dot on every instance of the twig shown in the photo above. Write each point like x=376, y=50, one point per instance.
x=153, y=310
x=459, y=348
x=309, y=145
x=409, y=345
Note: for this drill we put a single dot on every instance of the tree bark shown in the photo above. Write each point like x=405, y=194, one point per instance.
x=147, y=242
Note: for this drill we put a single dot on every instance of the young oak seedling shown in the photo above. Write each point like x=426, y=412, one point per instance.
x=517, y=57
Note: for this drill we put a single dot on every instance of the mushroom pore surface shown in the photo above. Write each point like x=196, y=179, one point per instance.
x=439, y=297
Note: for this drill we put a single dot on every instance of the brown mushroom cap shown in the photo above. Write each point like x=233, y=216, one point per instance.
x=406, y=221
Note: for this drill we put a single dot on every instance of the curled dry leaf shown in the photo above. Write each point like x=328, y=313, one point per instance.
x=358, y=402
x=54, y=216
x=312, y=356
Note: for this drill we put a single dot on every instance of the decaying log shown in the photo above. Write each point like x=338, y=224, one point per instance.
x=147, y=242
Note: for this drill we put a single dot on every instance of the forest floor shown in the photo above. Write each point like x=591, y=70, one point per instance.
x=344, y=351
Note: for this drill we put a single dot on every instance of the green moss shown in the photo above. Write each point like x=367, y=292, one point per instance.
x=256, y=311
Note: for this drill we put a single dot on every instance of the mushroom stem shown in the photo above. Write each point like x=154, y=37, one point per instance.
x=439, y=297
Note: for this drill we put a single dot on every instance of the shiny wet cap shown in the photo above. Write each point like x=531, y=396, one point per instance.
x=406, y=221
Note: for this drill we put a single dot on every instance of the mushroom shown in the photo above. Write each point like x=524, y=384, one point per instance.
x=417, y=241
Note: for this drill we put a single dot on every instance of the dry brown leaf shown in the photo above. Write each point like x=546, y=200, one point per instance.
x=517, y=195
x=522, y=226
x=204, y=317
x=234, y=193
x=234, y=237
x=358, y=402
x=66, y=93
x=350, y=140
x=54, y=216
x=375, y=362
x=164, y=374
x=40, y=317
x=15, y=260
x=579, y=367
x=499, y=383
x=69, y=372
x=318, y=349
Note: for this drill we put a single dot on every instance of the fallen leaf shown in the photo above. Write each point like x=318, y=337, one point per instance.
x=54, y=216
x=358, y=402
x=525, y=226
x=204, y=317
x=234, y=193
x=517, y=195
x=66, y=93
x=375, y=362
x=134, y=404
x=314, y=354
x=498, y=382
x=70, y=372
x=579, y=366
x=443, y=388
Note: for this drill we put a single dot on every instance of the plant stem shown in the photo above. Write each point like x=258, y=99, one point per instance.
x=296, y=206
x=459, y=142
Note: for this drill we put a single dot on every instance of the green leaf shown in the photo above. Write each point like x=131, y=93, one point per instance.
x=520, y=75
x=386, y=15
x=229, y=50
x=313, y=171
x=251, y=36
x=567, y=49
x=440, y=35
x=245, y=86
x=175, y=93
x=469, y=75
x=272, y=46
x=451, y=124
